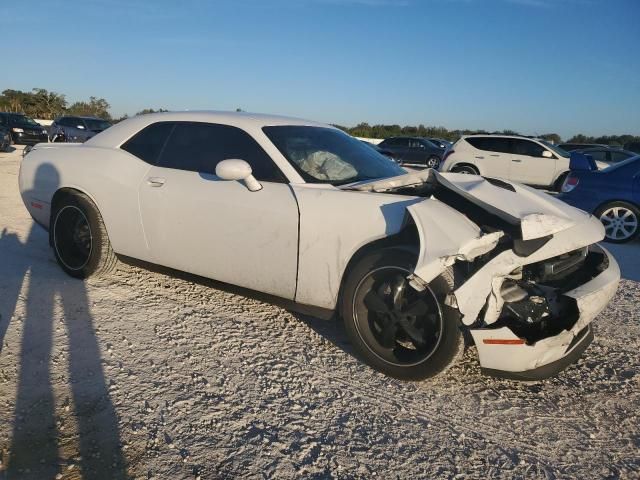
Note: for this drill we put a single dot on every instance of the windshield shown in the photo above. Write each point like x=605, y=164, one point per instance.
x=557, y=150
x=23, y=120
x=327, y=155
x=96, y=124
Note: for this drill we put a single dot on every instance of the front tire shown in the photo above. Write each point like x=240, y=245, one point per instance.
x=79, y=238
x=433, y=162
x=395, y=329
x=620, y=220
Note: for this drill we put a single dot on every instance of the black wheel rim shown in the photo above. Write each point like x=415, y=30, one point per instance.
x=72, y=237
x=398, y=324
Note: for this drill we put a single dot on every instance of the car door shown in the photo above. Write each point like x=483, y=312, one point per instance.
x=397, y=146
x=529, y=166
x=198, y=223
x=417, y=152
x=490, y=155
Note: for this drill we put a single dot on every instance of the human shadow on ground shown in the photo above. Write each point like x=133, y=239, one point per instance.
x=51, y=432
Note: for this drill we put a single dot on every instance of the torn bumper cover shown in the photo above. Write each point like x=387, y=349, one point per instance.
x=503, y=353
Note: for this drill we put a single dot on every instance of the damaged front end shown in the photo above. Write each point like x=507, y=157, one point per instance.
x=530, y=277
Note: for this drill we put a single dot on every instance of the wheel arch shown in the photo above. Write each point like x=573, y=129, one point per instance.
x=59, y=195
x=406, y=239
x=466, y=164
x=607, y=202
x=561, y=176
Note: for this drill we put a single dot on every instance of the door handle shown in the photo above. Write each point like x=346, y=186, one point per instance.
x=155, y=181
x=480, y=157
x=494, y=155
x=516, y=160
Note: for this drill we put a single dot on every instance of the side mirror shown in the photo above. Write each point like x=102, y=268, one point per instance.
x=547, y=154
x=236, y=169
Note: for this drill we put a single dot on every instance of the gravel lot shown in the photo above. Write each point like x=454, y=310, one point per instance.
x=148, y=376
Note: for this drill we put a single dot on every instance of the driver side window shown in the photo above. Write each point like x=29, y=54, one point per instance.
x=199, y=147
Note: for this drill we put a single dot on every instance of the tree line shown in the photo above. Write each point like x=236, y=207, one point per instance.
x=43, y=104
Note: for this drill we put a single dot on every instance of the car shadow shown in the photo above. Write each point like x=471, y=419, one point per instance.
x=45, y=320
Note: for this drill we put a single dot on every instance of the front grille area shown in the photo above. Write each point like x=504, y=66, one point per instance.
x=569, y=270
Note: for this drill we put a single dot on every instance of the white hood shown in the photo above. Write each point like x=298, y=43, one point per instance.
x=537, y=214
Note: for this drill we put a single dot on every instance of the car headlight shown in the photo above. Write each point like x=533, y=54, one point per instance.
x=17, y=130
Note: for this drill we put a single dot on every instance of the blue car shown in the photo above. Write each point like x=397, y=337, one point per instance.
x=611, y=194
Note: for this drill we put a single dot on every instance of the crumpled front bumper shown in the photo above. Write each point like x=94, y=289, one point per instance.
x=502, y=353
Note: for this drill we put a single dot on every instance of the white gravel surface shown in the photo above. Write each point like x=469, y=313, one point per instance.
x=148, y=376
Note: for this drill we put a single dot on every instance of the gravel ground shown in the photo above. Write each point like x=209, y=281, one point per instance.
x=148, y=376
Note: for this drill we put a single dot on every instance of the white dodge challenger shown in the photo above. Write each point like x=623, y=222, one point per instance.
x=415, y=263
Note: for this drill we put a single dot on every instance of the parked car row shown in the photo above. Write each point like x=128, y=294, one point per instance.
x=19, y=129
x=610, y=188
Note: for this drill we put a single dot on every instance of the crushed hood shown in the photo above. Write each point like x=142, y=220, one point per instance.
x=535, y=213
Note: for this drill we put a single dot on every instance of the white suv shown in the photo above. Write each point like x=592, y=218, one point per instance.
x=519, y=159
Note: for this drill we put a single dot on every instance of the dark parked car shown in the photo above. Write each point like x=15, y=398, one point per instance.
x=77, y=129
x=22, y=129
x=633, y=146
x=5, y=139
x=382, y=151
x=570, y=147
x=608, y=154
x=612, y=195
x=413, y=151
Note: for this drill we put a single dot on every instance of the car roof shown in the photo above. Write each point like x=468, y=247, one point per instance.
x=122, y=131
x=498, y=135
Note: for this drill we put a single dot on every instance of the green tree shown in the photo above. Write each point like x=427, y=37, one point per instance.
x=95, y=107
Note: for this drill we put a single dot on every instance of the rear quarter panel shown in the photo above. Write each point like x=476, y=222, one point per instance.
x=110, y=177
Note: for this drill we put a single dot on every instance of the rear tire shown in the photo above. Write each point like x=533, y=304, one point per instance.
x=395, y=329
x=620, y=220
x=467, y=169
x=79, y=238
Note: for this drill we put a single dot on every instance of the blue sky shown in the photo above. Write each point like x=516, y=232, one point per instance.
x=535, y=66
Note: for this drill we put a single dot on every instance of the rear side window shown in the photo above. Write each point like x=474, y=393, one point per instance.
x=198, y=147
x=148, y=142
x=491, y=144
